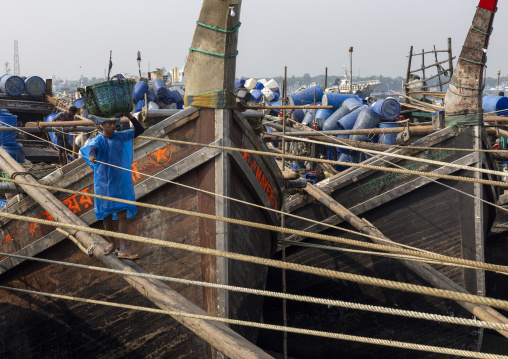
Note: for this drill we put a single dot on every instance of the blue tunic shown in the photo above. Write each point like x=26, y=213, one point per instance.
x=111, y=181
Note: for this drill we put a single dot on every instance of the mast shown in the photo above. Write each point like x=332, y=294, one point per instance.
x=211, y=64
x=464, y=95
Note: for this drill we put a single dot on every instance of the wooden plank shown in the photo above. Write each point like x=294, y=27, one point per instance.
x=205, y=133
x=222, y=208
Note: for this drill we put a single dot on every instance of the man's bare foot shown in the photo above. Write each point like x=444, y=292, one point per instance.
x=109, y=249
x=131, y=256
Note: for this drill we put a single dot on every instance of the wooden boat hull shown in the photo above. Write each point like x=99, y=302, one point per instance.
x=407, y=209
x=35, y=326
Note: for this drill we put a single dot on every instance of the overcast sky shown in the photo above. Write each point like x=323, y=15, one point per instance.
x=69, y=38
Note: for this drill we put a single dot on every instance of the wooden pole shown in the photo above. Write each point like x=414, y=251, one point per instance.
x=450, y=58
x=423, y=71
x=409, y=69
x=423, y=270
x=218, y=335
x=417, y=130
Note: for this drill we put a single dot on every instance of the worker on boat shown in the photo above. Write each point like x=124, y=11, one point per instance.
x=61, y=137
x=110, y=155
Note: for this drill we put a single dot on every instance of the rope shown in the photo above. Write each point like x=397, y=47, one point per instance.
x=276, y=228
x=213, y=193
x=366, y=340
x=141, y=204
x=449, y=148
x=406, y=287
x=215, y=28
x=213, y=53
x=279, y=295
x=481, y=32
x=350, y=164
x=422, y=254
x=489, y=11
x=442, y=184
x=207, y=192
x=471, y=61
x=466, y=87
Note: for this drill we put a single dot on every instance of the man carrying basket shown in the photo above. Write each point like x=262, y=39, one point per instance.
x=110, y=155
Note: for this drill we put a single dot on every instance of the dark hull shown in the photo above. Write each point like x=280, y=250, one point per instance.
x=39, y=327
x=408, y=210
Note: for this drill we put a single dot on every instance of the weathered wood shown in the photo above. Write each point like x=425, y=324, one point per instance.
x=408, y=74
x=428, y=67
x=465, y=89
x=424, y=270
x=213, y=13
x=143, y=188
x=218, y=335
x=374, y=202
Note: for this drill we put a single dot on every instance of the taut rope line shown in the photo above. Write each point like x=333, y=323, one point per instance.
x=384, y=342
x=428, y=255
x=411, y=288
x=299, y=298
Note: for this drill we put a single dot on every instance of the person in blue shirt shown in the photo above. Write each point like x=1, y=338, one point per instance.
x=110, y=155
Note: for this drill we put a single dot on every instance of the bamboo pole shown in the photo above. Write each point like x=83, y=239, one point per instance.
x=218, y=335
x=425, y=271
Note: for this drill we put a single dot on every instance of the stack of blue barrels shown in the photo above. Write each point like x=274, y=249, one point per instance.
x=159, y=94
x=8, y=139
x=13, y=85
x=349, y=112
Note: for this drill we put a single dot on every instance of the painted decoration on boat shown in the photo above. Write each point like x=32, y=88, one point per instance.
x=261, y=177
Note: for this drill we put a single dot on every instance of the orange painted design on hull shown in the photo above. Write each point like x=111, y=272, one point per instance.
x=261, y=177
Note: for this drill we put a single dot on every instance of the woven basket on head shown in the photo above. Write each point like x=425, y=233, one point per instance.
x=108, y=98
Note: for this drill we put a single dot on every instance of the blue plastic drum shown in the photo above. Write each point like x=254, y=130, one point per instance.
x=322, y=115
x=35, y=86
x=332, y=123
x=497, y=105
x=388, y=138
x=306, y=96
x=12, y=85
x=139, y=90
x=8, y=120
x=336, y=99
x=348, y=122
x=366, y=119
x=78, y=103
x=389, y=109
x=161, y=91
x=15, y=150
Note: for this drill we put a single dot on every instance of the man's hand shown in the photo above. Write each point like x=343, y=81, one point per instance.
x=93, y=159
x=128, y=115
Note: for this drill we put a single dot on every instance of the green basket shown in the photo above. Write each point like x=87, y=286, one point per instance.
x=108, y=98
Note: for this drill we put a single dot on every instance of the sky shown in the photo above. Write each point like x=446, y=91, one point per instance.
x=70, y=38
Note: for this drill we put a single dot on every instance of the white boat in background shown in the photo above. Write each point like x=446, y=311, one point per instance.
x=362, y=88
